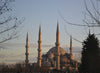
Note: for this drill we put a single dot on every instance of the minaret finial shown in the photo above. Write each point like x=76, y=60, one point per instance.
x=58, y=48
x=39, y=48
x=89, y=31
x=71, y=48
x=27, y=50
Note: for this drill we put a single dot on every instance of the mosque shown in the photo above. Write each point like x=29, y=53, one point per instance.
x=56, y=57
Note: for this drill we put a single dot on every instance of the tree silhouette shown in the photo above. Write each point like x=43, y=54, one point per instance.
x=90, y=55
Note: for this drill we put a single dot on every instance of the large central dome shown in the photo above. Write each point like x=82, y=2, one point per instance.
x=54, y=51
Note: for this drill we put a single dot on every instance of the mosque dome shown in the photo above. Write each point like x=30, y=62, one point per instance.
x=54, y=51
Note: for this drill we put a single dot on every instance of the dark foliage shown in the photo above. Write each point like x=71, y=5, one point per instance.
x=90, y=55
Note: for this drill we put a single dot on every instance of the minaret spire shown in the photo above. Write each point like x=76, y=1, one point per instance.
x=58, y=48
x=39, y=47
x=40, y=32
x=57, y=33
x=27, y=50
x=89, y=31
x=71, y=48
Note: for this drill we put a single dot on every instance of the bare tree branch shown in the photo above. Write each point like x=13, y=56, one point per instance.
x=91, y=14
x=8, y=24
x=94, y=17
x=76, y=24
x=5, y=21
x=4, y=6
x=96, y=10
x=13, y=36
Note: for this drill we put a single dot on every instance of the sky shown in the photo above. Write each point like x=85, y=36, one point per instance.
x=46, y=13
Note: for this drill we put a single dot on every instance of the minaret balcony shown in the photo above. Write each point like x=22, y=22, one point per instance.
x=57, y=44
x=27, y=46
x=39, y=41
x=26, y=53
x=39, y=50
x=26, y=61
x=40, y=58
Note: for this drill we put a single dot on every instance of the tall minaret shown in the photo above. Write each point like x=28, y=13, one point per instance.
x=27, y=50
x=58, y=48
x=71, y=48
x=39, y=48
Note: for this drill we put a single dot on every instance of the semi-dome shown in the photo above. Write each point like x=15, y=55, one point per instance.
x=47, y=64
x=65, y=59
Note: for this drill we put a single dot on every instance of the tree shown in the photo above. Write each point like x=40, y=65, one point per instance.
x=90, y=55
x=8, y=23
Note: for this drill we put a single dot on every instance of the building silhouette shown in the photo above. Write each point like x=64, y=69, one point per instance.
x=56, y=57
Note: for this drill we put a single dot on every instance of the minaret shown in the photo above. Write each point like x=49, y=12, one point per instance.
x=27, y=50
x=39, y=48
x=58, y=48
x=71, y=48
